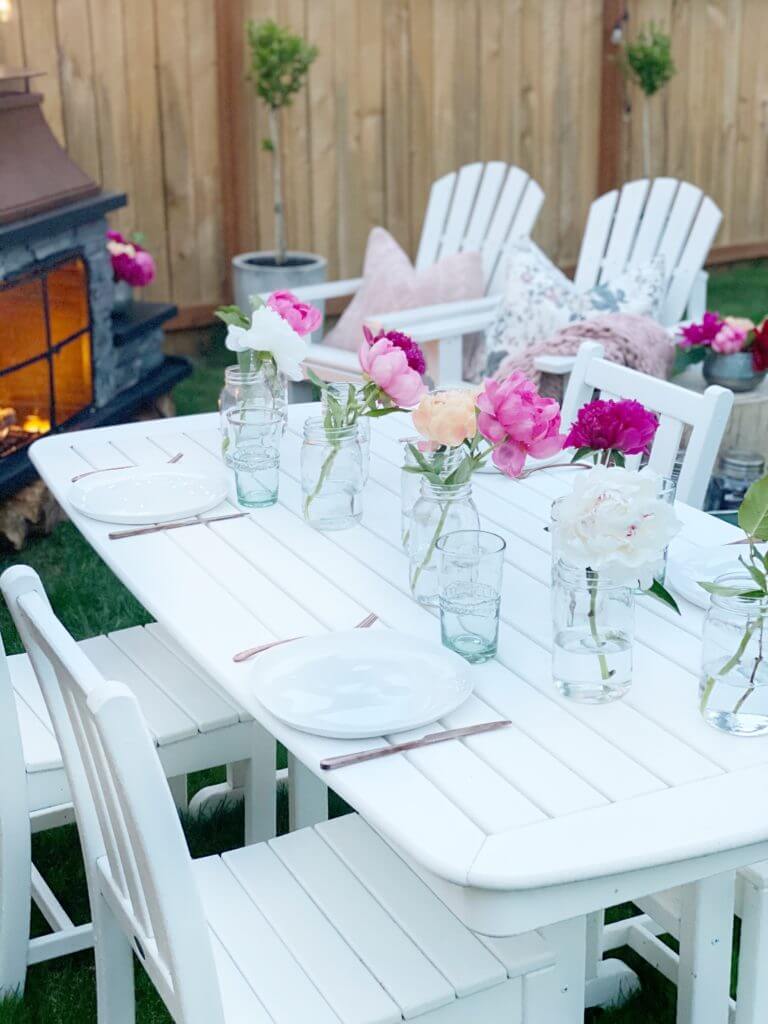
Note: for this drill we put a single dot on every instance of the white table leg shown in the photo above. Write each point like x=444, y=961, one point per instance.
x=609, y=982
x=569, y=941
x=260, y=791
x=307, y=796
x=706, y=938
x=752, y=988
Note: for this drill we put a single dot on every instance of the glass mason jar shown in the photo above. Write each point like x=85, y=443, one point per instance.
x=264, y=387
x=593, y=620
x=331, y=475
x=342, y=393
x=410, y=489
x=733, y=689
x=440, y=509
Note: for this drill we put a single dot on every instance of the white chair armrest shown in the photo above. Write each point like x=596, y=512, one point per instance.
x=554, y=364
x=448, y=327
x=329, y=290
x=333, y=363
x=429, y=314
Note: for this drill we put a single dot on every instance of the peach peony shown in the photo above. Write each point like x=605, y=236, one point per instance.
x=447, y=417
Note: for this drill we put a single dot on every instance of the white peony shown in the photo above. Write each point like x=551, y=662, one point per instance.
x=614, y=522
x=269, y=333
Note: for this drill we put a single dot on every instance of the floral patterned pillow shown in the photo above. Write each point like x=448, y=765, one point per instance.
x=539, y=299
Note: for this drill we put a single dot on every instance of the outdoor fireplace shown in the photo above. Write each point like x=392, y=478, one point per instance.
x=65, y=360
x=46, y=365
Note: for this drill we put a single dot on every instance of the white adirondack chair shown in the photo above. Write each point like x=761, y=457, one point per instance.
x=480, y=207
x=193, y=726
x=323, y=925
x=705, y=414
x=625, y=228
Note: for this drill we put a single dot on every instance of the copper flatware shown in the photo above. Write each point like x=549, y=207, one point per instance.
x=112, y=469
x=251, y=651
x=176, y=525
x=344, y=760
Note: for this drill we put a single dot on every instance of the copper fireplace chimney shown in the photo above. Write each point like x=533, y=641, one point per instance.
x=35, y=172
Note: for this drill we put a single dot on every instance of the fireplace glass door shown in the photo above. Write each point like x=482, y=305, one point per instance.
x=45, y=351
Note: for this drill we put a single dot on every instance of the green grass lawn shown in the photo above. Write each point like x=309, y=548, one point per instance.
x=90, y=600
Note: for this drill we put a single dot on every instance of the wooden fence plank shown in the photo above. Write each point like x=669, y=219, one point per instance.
x=41, y=52
x=77, y=85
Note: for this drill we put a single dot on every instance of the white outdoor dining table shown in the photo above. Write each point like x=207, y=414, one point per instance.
x=573, y=807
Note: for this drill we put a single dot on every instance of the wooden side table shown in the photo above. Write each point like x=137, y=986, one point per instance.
x=748, y=426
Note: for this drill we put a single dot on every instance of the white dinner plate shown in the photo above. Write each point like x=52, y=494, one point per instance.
x=139, y=496
x=687, y=565
x=360, y=683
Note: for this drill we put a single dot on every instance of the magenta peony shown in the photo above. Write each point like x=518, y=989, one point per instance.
x=760, y=347
x=301, y=316
x=130, y=262
x=625, y=426
x=412, y=350
x=701, y=333
x=518, y=422
x=387, y=365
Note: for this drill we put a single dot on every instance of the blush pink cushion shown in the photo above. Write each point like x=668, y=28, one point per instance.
x=391, y=283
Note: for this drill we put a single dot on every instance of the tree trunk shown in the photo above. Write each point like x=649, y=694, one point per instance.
x=277, y=184
x=647, y=137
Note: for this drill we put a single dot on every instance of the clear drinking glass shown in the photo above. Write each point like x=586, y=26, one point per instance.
x=331, y=475
x=254, y=433
x=471, y=569
x=264, y=387
x=733, y=689
x=593, y=630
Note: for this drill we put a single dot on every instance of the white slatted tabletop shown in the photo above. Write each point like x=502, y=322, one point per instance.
x=573, y=806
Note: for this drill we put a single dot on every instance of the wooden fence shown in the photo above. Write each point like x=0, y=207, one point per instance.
x=150, y=97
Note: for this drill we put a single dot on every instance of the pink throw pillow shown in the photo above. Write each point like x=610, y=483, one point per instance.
x=391, y=283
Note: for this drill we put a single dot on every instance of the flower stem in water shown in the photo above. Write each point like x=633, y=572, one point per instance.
x=592, y=578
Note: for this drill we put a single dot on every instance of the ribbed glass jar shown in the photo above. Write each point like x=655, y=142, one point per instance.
x=264, y=387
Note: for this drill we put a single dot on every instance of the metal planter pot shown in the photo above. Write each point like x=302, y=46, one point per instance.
x=734, y=371
x=255, y=272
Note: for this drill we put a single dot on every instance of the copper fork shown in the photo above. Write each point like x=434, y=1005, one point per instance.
x=245, y=655
x=111, y=469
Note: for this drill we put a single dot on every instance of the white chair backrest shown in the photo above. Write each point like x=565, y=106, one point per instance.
x=15, y=843
x=133, y=846
x=630, y=226
x=706, y=414
x=480, y=207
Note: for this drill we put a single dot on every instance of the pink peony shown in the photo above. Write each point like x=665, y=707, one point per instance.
x=386, y=364
x=729, y=339
x=412, y=350
x=702, y=333
x=130, y=262
x=625, y=426
x=301, y=316
x=518, y=421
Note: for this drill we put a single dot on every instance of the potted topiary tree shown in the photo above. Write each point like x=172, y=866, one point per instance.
x=648, y=63
x=280, y=62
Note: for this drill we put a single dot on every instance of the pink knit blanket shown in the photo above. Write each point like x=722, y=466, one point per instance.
x=634, y=341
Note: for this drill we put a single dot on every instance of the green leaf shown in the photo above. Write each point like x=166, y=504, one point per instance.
x=312, y=376
x=753, y=514
x=721, y=591
x=462, y=473
x=383, y=412
x=686, y=356
x=233, y=315
x=660, y=592
x=581, y=453
x=421, y=462
x=758, y=576
x=617, y=458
